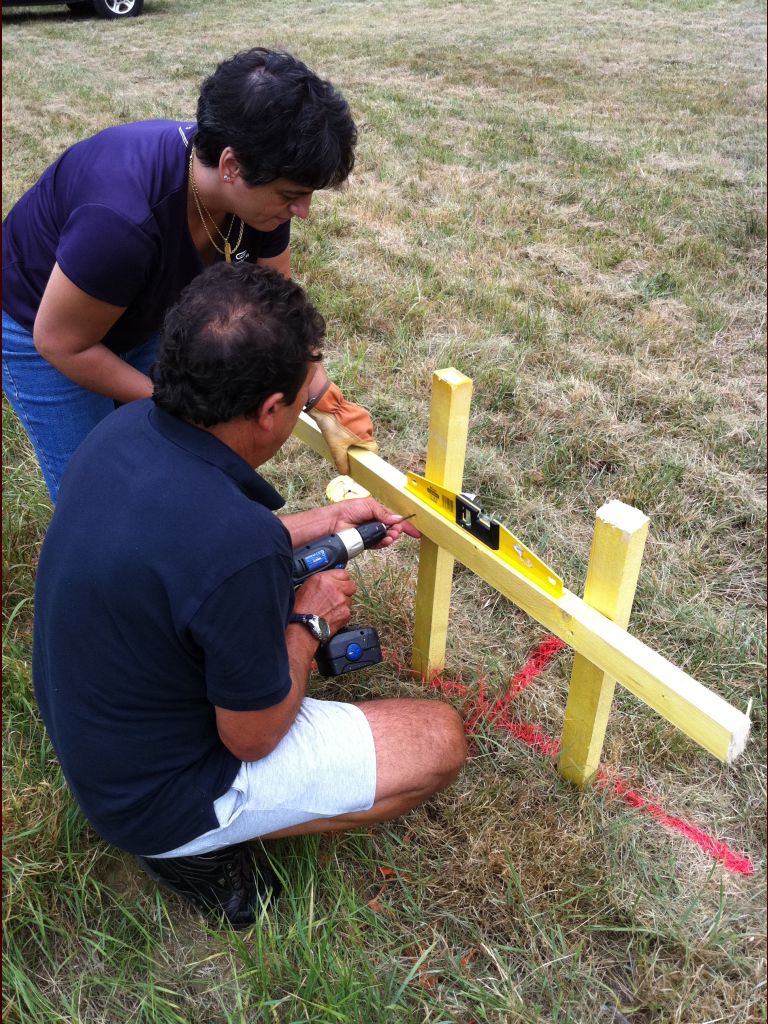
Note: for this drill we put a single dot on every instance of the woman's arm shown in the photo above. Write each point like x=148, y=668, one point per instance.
x=281, y=263
x=68, y=333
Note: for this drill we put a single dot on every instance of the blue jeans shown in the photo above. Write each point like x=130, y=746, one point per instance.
x=55, y=412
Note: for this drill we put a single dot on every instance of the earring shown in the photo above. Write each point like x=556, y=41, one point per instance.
x=227, y=178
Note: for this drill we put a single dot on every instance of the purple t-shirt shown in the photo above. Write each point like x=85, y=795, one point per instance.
x=112, y=212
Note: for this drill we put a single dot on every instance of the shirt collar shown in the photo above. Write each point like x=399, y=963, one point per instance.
x=213, y=451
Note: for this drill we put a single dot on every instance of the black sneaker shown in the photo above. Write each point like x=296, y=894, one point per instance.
x=226, y=881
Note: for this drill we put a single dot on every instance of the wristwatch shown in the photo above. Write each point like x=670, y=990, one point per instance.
x=317, y=626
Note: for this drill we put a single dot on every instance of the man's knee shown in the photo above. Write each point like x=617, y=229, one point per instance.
x=420, y=745
x=450, y=740
x=443, y=746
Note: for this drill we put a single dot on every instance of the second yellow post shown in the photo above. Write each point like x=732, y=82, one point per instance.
x=446, y=449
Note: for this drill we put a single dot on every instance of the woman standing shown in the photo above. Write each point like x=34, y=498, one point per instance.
x=97, y=250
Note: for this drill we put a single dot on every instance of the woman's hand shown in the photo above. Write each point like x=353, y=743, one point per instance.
x=342, y=423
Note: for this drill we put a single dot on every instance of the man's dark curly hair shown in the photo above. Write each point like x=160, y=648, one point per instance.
x=238, y=334
x=280, y=119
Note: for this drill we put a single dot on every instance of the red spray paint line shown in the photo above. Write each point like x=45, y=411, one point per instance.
x=533, y=736
x=739, y=863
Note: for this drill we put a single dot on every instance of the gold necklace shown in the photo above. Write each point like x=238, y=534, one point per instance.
x=226, y=252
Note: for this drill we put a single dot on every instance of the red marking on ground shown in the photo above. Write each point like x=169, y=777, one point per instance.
x=736, y=862
x=478, y=709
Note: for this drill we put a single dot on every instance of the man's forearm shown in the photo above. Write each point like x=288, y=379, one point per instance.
x=306, y=526
x=252, y=735
x=302, y=648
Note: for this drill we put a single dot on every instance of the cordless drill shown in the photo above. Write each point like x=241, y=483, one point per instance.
x=356, y=646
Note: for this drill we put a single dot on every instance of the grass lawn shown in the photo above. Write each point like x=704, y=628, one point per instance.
x=565, y=200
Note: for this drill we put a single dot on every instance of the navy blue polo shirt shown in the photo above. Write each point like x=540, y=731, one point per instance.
x=163, y=590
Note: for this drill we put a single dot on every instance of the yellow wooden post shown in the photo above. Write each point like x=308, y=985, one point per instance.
x=614, y=567
x=446, y=448
x=701, y=714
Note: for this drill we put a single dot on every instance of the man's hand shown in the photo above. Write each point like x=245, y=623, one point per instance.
x=306, y=526
x=327, y=594
x=362, y=510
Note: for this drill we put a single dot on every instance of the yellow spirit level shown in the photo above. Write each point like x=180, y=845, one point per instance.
x=464, y=510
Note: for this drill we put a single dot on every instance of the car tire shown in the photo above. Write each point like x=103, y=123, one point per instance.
x=118, y=8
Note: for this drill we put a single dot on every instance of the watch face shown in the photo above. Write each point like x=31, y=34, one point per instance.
x=321, y=629
x=316, y=625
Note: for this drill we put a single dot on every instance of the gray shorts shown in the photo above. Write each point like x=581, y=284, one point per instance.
x=323, y=767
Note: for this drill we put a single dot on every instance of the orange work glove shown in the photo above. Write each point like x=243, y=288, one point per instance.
x=342, y=425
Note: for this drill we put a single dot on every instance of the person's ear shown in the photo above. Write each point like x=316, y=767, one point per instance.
x=229, y=167
x=266, y=414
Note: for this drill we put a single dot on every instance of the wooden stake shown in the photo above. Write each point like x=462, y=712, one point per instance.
x=614, y=567
x=446, y=449
x=700, y=713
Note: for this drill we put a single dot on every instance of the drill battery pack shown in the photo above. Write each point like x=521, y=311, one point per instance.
x=350, y=649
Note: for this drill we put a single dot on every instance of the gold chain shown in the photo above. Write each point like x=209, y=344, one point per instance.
x=226, y=252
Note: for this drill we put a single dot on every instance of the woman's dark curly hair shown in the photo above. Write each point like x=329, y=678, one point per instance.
x=238, y=334
x=280, y=119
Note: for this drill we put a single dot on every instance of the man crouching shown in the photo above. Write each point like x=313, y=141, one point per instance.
x=169, y=663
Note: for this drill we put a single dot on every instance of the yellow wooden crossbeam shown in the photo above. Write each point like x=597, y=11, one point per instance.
x=698, y=712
